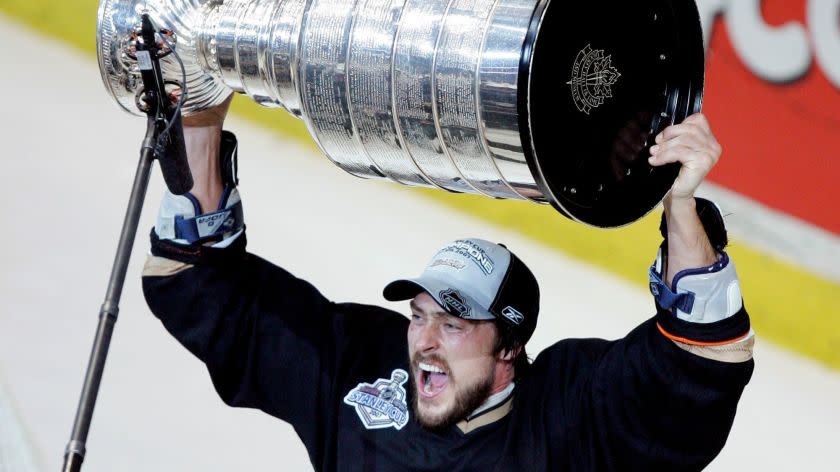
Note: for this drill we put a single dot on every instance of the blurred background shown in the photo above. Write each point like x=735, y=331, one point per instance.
x=772, y=96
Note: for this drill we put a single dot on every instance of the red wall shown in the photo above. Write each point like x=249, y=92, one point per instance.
x=781, y=141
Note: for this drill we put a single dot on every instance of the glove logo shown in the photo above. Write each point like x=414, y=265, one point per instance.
x=206, y=224
x=381, y=404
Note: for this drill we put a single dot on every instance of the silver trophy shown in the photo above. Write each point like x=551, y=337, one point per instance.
x=519, y=99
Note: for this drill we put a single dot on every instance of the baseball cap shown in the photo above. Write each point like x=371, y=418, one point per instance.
x=475, y=279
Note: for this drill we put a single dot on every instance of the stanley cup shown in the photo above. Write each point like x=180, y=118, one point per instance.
x=521, y=99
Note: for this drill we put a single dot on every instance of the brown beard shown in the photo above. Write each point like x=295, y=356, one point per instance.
x=466, y=401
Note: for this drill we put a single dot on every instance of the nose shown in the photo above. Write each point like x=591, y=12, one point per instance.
x=427, y=338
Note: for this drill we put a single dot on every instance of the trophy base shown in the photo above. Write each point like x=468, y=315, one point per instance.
x=598, y=89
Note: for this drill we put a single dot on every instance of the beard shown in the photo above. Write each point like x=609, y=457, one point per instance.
x=467, y=400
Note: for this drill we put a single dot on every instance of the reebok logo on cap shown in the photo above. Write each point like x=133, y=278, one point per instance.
x=513, y=315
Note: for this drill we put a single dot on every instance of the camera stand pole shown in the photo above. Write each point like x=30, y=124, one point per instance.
x=164, y=140
x=75, y=452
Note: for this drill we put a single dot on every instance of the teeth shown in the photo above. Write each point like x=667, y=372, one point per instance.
x=431, y=368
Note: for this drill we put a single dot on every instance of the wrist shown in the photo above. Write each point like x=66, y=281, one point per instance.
x=679, y=205
x=203, y=145
x=711, y=217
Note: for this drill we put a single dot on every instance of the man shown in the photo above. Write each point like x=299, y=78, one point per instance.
x=451, y=389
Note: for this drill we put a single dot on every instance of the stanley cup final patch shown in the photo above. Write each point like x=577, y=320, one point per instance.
x=381, y=404
x=593, y=76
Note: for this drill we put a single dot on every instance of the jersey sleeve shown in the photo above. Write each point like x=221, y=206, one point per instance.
x=638, y=403
x=268, y=339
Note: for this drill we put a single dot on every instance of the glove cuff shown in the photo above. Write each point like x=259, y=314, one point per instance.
x=177, y=220
x=704, y=307
x=702, y=295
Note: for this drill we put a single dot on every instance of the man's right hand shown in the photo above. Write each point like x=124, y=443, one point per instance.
x=202, y=135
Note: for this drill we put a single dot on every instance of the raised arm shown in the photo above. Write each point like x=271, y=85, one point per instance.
x=693, y=280
x=266, y=337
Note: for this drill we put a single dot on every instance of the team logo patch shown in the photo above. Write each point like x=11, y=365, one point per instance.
x=592, y=78
x=513, y=315
x=381, y=404
x=455, y=302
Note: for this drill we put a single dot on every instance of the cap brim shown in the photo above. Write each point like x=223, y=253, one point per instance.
x=402, y=289
x=405, y=289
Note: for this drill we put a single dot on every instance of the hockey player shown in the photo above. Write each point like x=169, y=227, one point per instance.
x=451, y=388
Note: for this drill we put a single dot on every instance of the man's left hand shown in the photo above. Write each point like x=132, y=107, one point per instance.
x=692, y=144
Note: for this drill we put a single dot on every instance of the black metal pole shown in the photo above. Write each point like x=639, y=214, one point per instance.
x=74, y=454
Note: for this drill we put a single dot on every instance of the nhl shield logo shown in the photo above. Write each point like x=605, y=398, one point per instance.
x=455, y=302
x=381, y=404
x=592, y=78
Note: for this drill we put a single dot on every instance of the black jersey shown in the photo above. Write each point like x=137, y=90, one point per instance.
x=338, y=373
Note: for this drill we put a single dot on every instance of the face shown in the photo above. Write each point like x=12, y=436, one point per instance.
x=452, y=362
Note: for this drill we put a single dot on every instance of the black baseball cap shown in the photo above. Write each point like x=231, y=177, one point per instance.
x=475, y=279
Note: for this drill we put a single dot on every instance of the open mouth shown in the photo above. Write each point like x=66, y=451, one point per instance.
x=432, y=381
